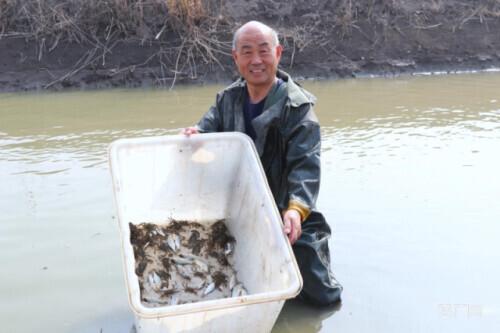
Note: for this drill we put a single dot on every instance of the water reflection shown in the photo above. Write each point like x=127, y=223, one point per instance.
x=111, y=321
x=299, y=317
x=59, y=151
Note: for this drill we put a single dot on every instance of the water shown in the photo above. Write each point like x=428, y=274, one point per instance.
x=409, y=184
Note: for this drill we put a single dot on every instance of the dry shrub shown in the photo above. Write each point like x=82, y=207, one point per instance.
x=186, y=32
x=189, y=13
x=298, y=38
x=345, y=17
x=77, y=20
x=99, y=21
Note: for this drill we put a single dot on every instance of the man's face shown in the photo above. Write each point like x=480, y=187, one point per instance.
x=256, y=56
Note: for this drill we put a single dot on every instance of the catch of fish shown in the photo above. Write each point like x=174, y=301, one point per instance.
x=184, y=262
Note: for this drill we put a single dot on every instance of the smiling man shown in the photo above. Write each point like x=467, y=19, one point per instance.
x=267, y=105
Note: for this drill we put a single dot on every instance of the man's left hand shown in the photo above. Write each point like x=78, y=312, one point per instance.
x=292, y=226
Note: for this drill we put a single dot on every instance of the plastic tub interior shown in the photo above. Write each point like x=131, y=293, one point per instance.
x=204, y=178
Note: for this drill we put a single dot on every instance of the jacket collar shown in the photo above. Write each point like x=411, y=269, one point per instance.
x=288, y=91
x=296, y=94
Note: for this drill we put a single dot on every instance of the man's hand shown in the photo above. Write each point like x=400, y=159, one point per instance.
x=189, y=130
x=292, y=226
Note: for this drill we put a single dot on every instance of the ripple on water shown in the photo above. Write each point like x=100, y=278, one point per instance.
x=410, y=171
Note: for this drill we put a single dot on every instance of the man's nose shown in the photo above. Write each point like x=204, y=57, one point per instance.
x=256, y=59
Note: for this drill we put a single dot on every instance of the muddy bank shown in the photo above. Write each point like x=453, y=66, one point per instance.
x=75, y=44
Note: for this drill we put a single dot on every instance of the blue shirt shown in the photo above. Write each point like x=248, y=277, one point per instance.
x=252, y=111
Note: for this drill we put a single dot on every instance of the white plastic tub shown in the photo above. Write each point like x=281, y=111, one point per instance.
x=205, y=178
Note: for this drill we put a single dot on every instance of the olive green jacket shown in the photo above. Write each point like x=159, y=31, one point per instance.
x=288, y=138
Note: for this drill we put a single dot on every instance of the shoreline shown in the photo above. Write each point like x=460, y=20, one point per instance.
x=165, y=44
x=141, y=79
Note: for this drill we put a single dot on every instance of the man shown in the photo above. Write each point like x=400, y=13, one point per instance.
x=277, y=114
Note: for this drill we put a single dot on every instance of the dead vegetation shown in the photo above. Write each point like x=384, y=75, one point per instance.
x=376, y=25
x=185, y=32
x=193, y=37
x=418, y=14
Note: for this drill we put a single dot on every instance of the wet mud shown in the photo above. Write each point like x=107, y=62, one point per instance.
x=321, y=39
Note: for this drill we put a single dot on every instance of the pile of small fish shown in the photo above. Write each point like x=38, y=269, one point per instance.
x=184, y=262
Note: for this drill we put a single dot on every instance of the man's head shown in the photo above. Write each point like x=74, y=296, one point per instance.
x=257, y=53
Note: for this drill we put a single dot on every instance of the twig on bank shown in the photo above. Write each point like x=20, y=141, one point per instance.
x=110, y=27
x=399, y=31
x=41, y=47
x=343, y=56
x=177, y=64
x=15, y=35
x=108, y=49
x=362, y=33
x=161, y=31
x=90, y=58
x=48, y=71
x=469, y=17
x=426, y=27
x=114, y=72
x=54, y=45
x=292, y=58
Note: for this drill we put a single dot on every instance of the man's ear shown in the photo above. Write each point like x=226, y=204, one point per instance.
x=279, y=50
x=235, y=55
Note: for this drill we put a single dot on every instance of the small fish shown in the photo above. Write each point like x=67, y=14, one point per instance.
x=183, y=274
x=202, y=265
x=198, y=285
x=154, y=280
x=228, y=248
x=174, y=300
x=182, y=261
x=238, y=291
x=160, y=232
x=209, y=289
x=195, y=284
x=185, y=271
x=193, y=257
x=173, y=242
x=232, y=282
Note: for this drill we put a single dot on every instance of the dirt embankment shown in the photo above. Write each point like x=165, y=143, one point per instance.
x=56, y=44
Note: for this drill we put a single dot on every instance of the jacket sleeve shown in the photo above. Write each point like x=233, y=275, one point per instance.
x=212, y=119
x=303, y=164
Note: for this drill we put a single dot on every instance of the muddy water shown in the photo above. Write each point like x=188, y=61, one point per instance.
x=410, y=185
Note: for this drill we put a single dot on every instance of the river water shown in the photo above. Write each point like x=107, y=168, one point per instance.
x=410, y=186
